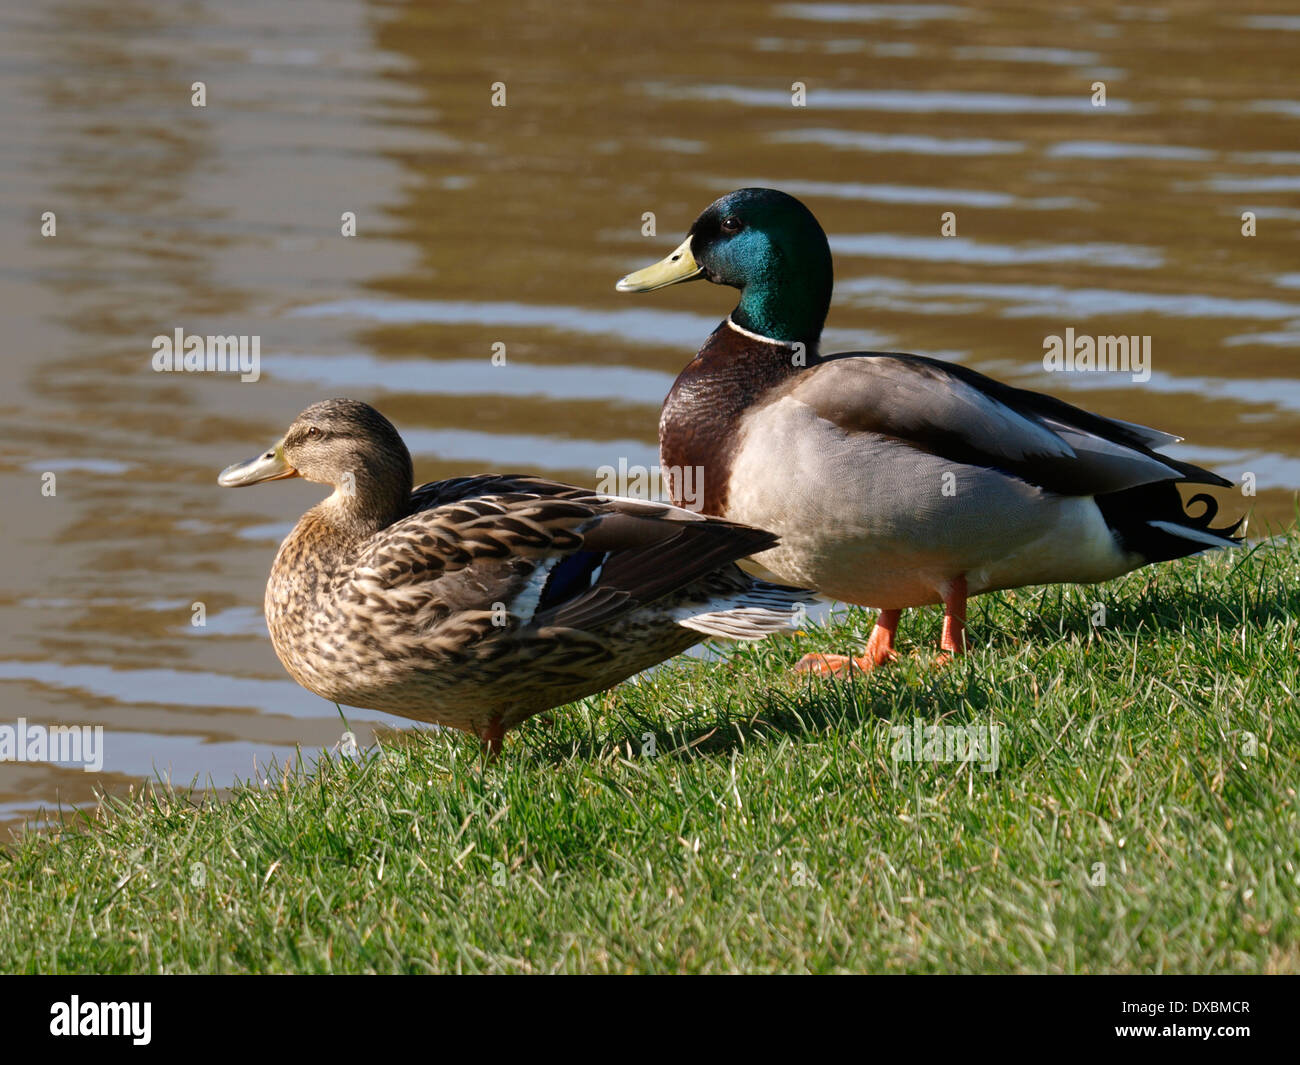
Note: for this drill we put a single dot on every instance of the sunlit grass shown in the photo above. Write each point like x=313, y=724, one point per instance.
x=1143, y=817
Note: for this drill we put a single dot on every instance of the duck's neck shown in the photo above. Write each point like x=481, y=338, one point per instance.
x=363, y=504
x=700, y=421
x=788, y=305
x=325, y=543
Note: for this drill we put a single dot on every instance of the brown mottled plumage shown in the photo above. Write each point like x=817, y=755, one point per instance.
x=480, y=601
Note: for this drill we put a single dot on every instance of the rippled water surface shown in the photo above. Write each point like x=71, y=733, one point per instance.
x=478, y=225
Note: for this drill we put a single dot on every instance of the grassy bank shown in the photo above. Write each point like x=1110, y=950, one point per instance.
x=1143, y=817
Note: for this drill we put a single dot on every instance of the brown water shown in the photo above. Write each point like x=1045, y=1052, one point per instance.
x=478, y=224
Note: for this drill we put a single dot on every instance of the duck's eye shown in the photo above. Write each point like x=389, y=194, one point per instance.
x=732, y=224
x=313, y=431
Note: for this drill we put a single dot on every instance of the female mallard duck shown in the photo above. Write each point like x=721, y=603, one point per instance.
x=897, y=480
x=480, y=601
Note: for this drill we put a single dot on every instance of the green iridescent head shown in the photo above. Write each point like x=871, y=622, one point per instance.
x=768, y=245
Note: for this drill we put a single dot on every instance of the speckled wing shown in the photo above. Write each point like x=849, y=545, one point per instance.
x=547, y=554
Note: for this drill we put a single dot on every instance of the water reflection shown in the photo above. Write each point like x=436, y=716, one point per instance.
x=479, y=225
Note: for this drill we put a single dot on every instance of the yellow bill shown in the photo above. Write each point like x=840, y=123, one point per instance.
x=679, y=266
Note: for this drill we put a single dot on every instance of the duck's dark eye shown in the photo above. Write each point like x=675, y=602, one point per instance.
x=732, y=224
x=313, y=431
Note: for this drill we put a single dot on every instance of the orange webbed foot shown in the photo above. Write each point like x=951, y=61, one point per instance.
x=823, y=665
x=879, y=650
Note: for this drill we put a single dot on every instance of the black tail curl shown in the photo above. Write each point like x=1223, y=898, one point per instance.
x=1203, y=520
x=1130, y=515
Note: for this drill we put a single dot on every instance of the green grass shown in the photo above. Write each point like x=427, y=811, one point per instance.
x=773, y=831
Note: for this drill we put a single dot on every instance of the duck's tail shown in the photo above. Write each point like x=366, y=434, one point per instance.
x=759, y=611
x=1153, y=520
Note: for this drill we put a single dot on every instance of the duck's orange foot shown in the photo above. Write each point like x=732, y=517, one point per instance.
x=879, y=650
x=832, y=665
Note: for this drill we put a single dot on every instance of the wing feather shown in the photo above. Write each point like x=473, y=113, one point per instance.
x=473, y=543
x=959, y=414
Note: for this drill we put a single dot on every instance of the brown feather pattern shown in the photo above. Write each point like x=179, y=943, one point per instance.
x=429, y=613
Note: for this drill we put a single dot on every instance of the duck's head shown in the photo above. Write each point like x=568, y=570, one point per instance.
x=765, y=243
x=347, y=445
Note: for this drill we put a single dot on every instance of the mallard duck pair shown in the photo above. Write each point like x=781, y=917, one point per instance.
x=480, y=601
x=886, y=480
x=894, y=480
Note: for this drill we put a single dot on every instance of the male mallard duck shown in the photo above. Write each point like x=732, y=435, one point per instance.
x=897, y=480
x=480, y=601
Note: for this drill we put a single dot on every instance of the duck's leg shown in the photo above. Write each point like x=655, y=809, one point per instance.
x=880, y=644
x=879, y=650
x=492, y=737
x=953, y=640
